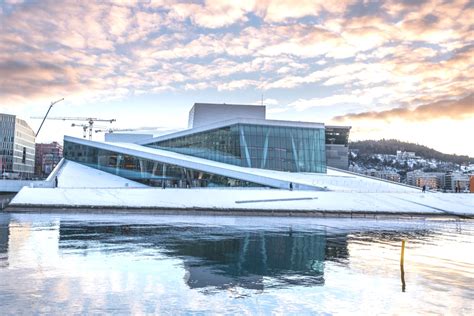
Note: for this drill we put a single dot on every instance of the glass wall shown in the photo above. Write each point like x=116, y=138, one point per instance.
x=17, y=148
x=280, y=148
x=146, y=171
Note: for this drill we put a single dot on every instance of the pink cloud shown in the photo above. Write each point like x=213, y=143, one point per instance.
x=452, y=109
x=161, y=45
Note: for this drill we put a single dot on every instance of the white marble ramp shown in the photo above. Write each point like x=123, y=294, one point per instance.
x=230, y=199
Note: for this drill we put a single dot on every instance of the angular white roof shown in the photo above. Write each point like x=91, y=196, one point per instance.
x=74, y=175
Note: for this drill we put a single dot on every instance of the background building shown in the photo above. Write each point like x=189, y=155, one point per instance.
x=47, y=156
x=17, y=151
x=383, y=174
x=457, y=180
x=405, y=155
x=433, y=180
x=337, y=146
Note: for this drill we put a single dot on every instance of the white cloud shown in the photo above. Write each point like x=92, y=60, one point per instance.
x=334, y=100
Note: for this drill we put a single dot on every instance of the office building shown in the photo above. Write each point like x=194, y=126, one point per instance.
x=433, y=180
x=17, y=151
x=457, y=180
x=47, y=156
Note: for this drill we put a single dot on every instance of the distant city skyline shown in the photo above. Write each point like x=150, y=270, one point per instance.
x=390, y=69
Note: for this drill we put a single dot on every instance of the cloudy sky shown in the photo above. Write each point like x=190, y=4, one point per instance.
x=391, y=69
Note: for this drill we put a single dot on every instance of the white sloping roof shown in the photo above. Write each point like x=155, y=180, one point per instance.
x=333, y=180
x=75, y=175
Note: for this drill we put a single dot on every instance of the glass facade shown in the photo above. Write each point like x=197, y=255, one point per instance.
x=282, y=148
x=146, y=171
x=17, y=150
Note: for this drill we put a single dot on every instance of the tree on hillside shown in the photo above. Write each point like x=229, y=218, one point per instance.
x=390, y=147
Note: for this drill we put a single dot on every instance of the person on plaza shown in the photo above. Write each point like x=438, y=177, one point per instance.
x=56, y=181
x=424, y=188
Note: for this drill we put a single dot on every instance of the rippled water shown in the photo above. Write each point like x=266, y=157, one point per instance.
x=92, y=263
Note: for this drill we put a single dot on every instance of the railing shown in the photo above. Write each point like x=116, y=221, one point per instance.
x=378, y=179
x=16, y=185
x=55, y=171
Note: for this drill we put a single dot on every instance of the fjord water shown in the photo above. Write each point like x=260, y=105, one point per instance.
x=157, y=264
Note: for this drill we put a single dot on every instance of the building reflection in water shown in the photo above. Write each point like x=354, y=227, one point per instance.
x=27, y=244
x=220, y=257
x=79, y=262
x=245, y=260
x=4, y=222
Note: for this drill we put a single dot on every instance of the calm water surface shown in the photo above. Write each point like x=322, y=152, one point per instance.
x=147, y=264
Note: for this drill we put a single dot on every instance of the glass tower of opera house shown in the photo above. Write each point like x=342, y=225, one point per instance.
x=225, y=145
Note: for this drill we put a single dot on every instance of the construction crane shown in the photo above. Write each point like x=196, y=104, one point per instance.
x=112, y=130
x=89, y=122
x=84, y=127
x=44, y=118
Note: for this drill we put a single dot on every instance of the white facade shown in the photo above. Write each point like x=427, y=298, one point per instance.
x=202, y=114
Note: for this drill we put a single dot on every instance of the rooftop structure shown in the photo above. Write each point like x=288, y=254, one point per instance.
x=337, y=146
x=202, y=114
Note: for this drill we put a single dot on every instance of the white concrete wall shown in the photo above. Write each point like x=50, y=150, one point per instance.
x=203, y=114
x=16, y=185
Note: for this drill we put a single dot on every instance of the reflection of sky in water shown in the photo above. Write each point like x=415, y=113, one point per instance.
x=158, y=264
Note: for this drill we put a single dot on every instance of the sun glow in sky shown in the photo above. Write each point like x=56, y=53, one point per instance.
x=391, y=69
